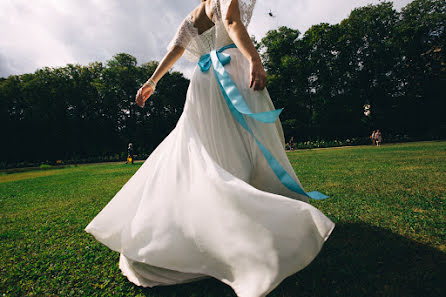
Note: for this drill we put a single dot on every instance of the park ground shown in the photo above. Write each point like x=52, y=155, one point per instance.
x=388, y=204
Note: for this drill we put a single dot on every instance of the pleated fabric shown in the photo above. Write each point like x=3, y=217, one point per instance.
x=206, y=203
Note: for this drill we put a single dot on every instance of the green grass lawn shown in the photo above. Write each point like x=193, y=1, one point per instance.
x=388, y=204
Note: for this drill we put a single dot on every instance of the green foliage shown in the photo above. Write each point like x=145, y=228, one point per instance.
x=393, y=62
x=388, y=204
x=45, y=166
x=85, y=112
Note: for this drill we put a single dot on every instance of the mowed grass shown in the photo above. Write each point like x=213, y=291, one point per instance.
x=388, y=204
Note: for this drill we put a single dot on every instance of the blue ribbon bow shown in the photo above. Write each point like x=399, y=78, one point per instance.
x=238, y=107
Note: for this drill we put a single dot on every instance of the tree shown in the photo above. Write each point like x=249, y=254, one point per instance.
x=421, y=37
x=86, y=112
x=392, y=63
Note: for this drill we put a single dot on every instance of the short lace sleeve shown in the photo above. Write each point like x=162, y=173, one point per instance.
x=185, y=33
x=246, y=8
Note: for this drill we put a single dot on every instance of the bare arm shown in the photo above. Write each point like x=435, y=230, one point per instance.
x=238, y=33
x=166, y=63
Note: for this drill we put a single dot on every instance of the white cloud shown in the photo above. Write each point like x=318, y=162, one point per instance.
x=42, y=33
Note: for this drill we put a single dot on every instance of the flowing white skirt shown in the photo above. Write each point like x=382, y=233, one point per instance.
x=206, y=202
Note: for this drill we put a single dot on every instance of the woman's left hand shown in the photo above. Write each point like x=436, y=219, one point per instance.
x=143, y=94
x=258, y=76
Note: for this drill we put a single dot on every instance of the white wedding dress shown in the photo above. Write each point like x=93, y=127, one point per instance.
x=206, y=203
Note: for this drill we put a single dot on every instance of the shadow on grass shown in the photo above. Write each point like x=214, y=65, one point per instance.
x=357, y=260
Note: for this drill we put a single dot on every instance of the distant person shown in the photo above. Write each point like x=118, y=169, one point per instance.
x=372, y=137
x=130, y=153
x=378, y=138
x=291, y=143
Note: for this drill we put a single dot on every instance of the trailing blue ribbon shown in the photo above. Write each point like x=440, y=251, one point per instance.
x=238, y=108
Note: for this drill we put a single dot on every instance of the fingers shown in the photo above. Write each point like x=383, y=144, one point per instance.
x=258, y=76
x=143, y=94
x=257, y=79
x=257, y=83
x=139, y=98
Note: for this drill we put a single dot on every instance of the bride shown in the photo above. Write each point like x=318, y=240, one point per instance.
x=218, y=197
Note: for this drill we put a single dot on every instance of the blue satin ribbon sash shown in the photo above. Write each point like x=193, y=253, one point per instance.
x=238, y=107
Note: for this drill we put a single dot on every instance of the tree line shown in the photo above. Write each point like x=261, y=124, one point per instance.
x=377, y=69
x=86, y=113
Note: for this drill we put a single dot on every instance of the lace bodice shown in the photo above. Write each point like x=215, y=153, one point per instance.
x=196, y=44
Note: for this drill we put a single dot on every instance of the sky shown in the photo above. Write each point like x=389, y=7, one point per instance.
x=40, y=33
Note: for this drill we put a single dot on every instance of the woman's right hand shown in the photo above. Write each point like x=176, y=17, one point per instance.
x=143, y=94
x=258, y=76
